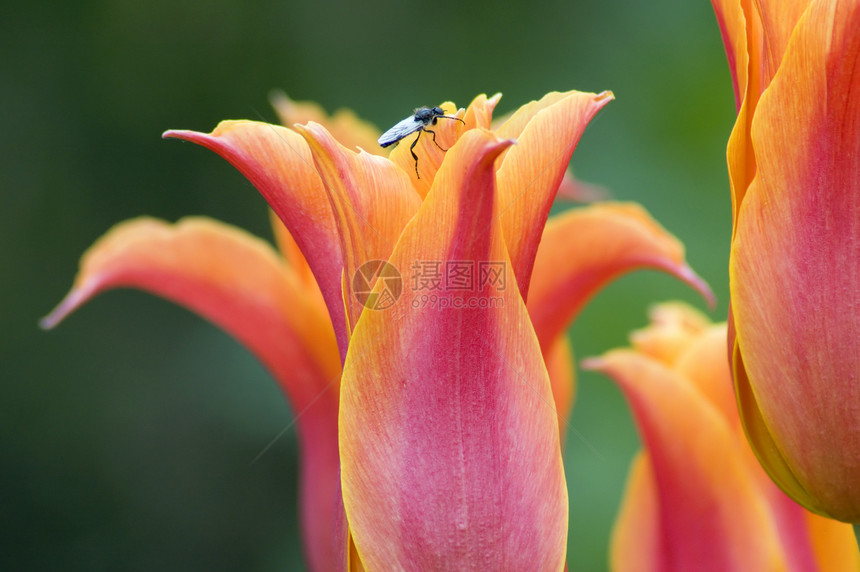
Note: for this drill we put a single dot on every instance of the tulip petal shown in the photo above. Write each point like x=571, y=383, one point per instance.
x=794, y=273
x=636, y=543
x=673, y=328
x=740, y=157
x=760, y=438
x=547, y=132
x=583, y=249
x=479, y=114
x=730, y=17
x=705, y=367
x=239, y=283
x=279, y=164
x=704, y=363
x=741, y=31
x=372, y=201
x=562, y=377
x=449, y=441
x=755, y=36
x=682, y=341
x=707, y=500
x=514, y=124
x=682, y=338
x=804, y=540
x=778, y=20
x=291, y=252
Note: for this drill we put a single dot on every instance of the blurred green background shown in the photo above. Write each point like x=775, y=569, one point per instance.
x=128, y=433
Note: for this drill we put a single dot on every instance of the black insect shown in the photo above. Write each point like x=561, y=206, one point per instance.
x=419, y=121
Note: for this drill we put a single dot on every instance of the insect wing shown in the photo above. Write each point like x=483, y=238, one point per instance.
x=400, y=130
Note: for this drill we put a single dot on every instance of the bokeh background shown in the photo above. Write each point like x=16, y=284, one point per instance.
x=128, y=433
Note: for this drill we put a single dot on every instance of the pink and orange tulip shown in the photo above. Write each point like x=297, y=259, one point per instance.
x=439, y=444
x=794, y=166
x=697, y=498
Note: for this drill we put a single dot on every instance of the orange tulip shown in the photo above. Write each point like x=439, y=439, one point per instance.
x=444, y=427
x=794, y=159
x=697, y=498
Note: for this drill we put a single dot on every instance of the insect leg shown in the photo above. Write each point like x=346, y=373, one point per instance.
x=434, y=139
x=414, y=156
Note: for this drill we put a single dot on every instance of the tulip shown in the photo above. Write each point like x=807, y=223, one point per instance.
x=439, y=445
x=794, y=159
x=697, y=498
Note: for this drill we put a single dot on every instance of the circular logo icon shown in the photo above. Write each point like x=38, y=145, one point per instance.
x=382, y=276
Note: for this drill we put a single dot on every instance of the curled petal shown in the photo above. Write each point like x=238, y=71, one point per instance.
x=794, y=275
x=279, y=164
x=547, y=132
x=452, y=458
x=239, y=283
x=583, y=249
x=372, y=201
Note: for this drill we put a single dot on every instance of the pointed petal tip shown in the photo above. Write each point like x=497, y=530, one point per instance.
x=49, y=321
x=689, y=276
x=199, y=137
x=493, y=145
x=505, y=143
x=66, y=306
x=317, y=136
x=496, y=146
x=185, y=134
